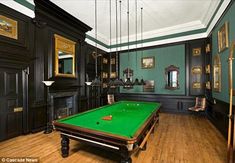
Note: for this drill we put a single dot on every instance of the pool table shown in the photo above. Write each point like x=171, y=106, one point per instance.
x=121, y=127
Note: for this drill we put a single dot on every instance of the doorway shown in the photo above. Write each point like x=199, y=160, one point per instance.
x=13, y=102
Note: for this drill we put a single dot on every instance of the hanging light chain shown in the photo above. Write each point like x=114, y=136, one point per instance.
x=128, y=30
x=136, y=24
x=120, y=23
x=96, y=51
x=136, y=32
x=110, y=35
x=116, y=60
x=142, y=31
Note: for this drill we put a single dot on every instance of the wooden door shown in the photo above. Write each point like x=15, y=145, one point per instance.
x=11, y=103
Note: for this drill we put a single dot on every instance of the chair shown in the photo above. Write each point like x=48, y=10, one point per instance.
x=200, y=105
x=110, y=98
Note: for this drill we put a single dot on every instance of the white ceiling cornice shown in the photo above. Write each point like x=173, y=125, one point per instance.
x=18, y=7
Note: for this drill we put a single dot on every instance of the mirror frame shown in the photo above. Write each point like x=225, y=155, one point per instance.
x=171, y=68
x=217, y=64
x=67, y=46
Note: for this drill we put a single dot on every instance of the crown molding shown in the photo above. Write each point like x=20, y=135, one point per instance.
x=20, y=7
x=182, y=32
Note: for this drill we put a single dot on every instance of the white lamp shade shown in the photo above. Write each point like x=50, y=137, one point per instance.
x=48, y=83
x=88, y=83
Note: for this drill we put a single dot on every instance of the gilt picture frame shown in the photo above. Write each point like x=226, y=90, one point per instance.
x=8, y=27
x=147, y=62
x=217, y=73
x=149, y=86
x=196, y=70
x=208, y=85
x=223, y=37
x=196, y=85
x=208, y=69
x=196, y=52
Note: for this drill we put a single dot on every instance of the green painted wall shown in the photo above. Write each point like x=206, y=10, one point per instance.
x=230, y=17
x=165, y=56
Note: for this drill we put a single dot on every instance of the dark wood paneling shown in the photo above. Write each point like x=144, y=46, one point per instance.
x=173, y=104
x=47, y=23
x=17, y=49
x=217, y=112
x=37, y=118
x=15, y=57
x=196, y=61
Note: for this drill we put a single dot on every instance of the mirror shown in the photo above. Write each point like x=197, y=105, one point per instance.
x=64, y=57
x=217, y=73
x=172, y=75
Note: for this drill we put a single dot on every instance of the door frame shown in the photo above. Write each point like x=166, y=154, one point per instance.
x=25, y=77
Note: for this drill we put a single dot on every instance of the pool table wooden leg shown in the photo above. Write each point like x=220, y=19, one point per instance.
x=64, y=146
x=125, y=156
x=127, y=160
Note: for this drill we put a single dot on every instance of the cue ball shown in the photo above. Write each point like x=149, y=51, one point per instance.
x=97, y=123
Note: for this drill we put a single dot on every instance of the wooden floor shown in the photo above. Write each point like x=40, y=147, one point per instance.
x=178, y=138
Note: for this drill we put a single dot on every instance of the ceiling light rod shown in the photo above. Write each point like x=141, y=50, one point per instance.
x=128, y=84
x=136, y=80
x=142, y=80
x=110, y=84
x=96, y=81
x=96, y=37
x=128, y=34
x=120, y=2
x=117, y=82
x=128, y=37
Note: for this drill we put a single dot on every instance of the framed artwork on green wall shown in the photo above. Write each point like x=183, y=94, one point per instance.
x=147, y=62
x=217, y=73
x=223, y=37
x=149, y=86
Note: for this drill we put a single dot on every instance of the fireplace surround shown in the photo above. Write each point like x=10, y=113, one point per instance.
x=62, y=104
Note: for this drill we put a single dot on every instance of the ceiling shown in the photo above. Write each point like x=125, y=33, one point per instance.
x=164, y=21
x=160, y=17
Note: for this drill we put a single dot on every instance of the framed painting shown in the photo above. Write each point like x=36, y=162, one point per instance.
x=207, y=69
x=208, y=85
x=217, y=73
x=105, y=61
x=147, y=62
x=112, y=61
x=149, y=86
x=223, y=37
x=196, y=85
x=113, y=75
x=8, y=27
x=196, y=52
x=196, y=70
x=208, y=48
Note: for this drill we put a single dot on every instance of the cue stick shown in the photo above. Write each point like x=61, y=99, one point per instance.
x=147, y=136
x=230, y=145
x=232, y=94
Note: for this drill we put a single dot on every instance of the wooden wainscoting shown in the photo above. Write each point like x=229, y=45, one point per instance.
x=178, y=138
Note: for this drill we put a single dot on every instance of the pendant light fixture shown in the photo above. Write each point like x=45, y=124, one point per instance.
x=96, y=81
x=142, y=82
x=128, y=83
x=111, y=83
x=117, y=82
x=136, y=80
